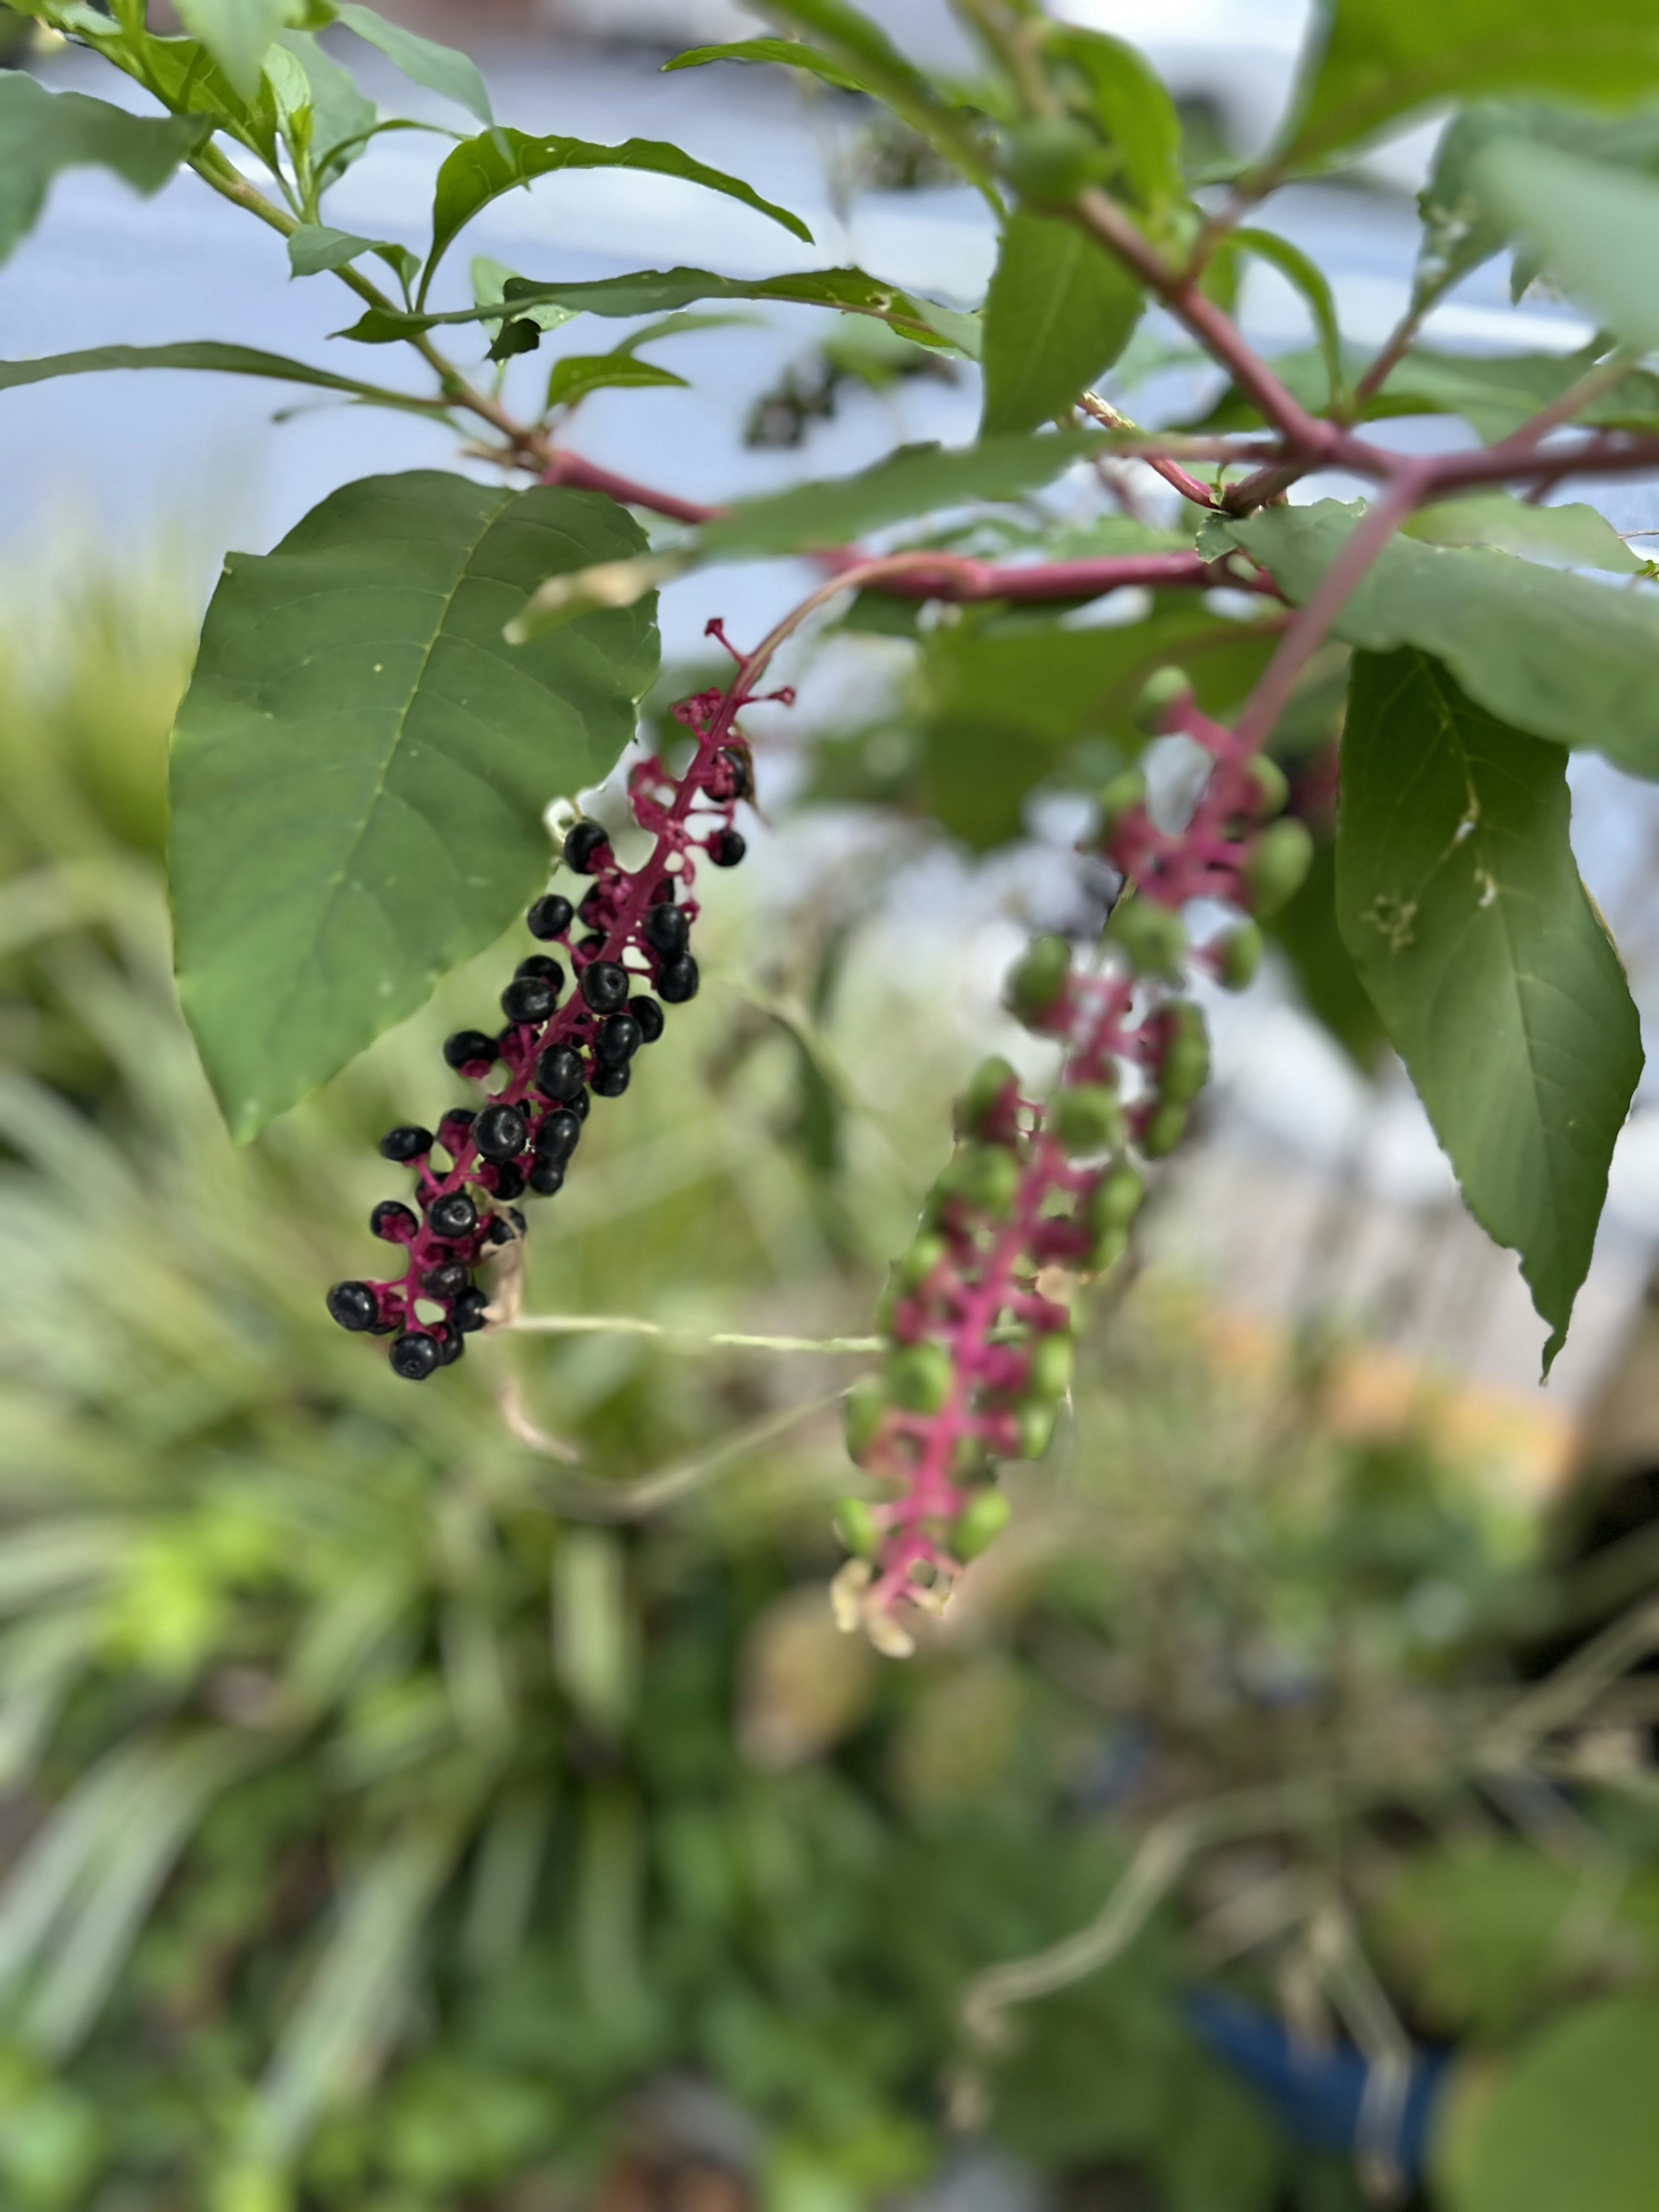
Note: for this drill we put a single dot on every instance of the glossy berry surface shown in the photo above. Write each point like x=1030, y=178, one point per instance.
x=667, y=931
x=469, y=1311
x=559, y=1072
x=393, y=1221
x=354, y=1305
x=558, y=1136
x=604, y=986
x=452, y=1215
x=619, y=1038
x=611, y=1082
x=501, y=1133
x=406, y=1142
x=550, y=917
x=546, y=1177
x=529, y=999
x=727, y=849
x=648, y=1014
x=470, y=1049
x=509, y=1180
x=543, y=965
x=583, y=846
x=415, y=1357
x=678, y=981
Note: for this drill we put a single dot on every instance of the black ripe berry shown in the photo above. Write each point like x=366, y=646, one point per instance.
x=590, y=909
x=582, y=848
x=667, y=931
x=546, y=1177
x=559, y=1072
x=500, y=1133
x=470, y=1310
x=604, y=986
x=611, y=1082
x=529, y=999
x=678, y=981
x=739, y=775
x=448, y=1281
x=542, y=963
x=354, y=1305
x=415, y=1357
x=499, y=1230
x=452, y=1215
x=581, y=1105
x=407, y=1142
x=509, y=1179
x=592, y=944
x=468, y=1049
x=648, y=1014
x=451, y=1347
x=393, y=1222
x=726, y=847
x=619, y=1038
x=558, y=1135
x=550, y=917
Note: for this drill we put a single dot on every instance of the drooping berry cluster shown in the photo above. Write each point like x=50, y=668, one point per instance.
x=979, y=1312
x=560, y=1049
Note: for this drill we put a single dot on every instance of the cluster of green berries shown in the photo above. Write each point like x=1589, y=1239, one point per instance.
x=1037, y=1199
x=625, y=941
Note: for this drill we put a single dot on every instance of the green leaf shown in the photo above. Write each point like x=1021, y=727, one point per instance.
x=1059, y=311
x=207, y=354
x=423, y=61
x=579, y=373
x=1310, y=281
x=864, y=51
x=1595, y=229
x=361, y=765
x=1572, y=2121
x=790, y=52
x=1132, y=106
x=1459, y=899
x=1560, y=656
x=42, y=133
x=343, y=121
x=480, y=169
x=238, y=34
x=1369, y=64
x=490, y=279
x=1306, y=933
x=1570, y=537
x=314, y=248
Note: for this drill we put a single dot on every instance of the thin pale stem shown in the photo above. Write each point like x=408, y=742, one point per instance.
x=683, y=1340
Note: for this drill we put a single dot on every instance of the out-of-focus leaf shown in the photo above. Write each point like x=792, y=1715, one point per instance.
x=238, y=34
x=1306, y=932
x=1475, y=1934
x=202, y=352
x=423, y=61
x=1059, y=311
x=1131, y=105
x=793, y=53
x=42, y=133
x=1310, y=281
x=1595, y=229
x=578, y=373
x=1460, y=901
x=1570, y=537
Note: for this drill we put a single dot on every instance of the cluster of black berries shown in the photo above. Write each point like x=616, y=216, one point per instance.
x=561, y=1050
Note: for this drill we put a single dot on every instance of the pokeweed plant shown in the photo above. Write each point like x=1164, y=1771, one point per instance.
x=384, y=706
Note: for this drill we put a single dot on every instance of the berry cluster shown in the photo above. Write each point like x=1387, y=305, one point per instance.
x=560, y=1050
x=979, y=1312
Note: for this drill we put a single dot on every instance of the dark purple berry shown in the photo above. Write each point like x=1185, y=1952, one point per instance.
x=667, y=931
x=447, y=1280
x=663, y=891
x=354, y=1305
x=648, y=1014
x=604, y=986
x=550, y=917
x=542, y=963
x=500, y=1133
x=415, y=1357
x=470, y=1310
x=591, y=906
x=546, y=1177
x=517, y=1219
x=611, y=1082
x=619, y=1038
x=592, y=944
x=582, y=848
x=468, y=1049
x=499, y=1231
x=558, y=1136
x=581, y=1105
x=393, y=1222
x=509, y=1180
x=726, y=847
x=453, y=1215
x=529, y=999
x=559, y=1072
x=451, y=1346
x=678, y=981
x=739, y=775
x=405, y=1143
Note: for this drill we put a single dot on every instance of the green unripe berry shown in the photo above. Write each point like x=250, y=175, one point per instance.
x=1038, y=981
x=987, y=1086
x=1165, y=1129
x=1035, y=1420
x=1278, y=867
x=918, y=1376
x=1108, y=1248
x=981, y=1520
x=855, y=1524
x=1164, y=690
x=865, y=1409
x=1185, y=1067
x=1121, y=797
x=1049, y=1369
x=915, y=1266
x=984, y=1176
x=1088, y=1118
x=1239, y=956
x=1272, y=786
x=1116, y=1199
x=1049, y=163
x=1152, y=939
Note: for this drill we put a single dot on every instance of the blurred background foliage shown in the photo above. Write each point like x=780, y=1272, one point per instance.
x=407, y=1808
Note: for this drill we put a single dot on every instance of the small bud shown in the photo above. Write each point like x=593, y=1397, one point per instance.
x=991, y=1082
x=1151, y=937
x=1165, y=1129
x=1048, y=1369
x=1038, y=981
x=1271, y=787
x=855, y=1525
x=984, y=1176
x=1036, y=1421
x=918, y=1376
x=865, y=1409
x=1238, y=955
x=1049, y=163
x=1116, y=1199
x=1164, y=690
x=1108, y=1248
x=1088, y=1117
x=914, y=1268
x=979, y=1521
x=1121, y=797
x=1185, y=1067
x=1278, y=867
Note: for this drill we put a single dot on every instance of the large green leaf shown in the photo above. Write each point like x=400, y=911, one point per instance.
x=423, y=61
x=1459, y=899
x=1059, y=311
x=361, y=764
x=1574, y=2120
x=1133, y=109
x=1595, y=228
x=1572, y=536
x=480, y=169
x=1369, y=65
x=1558, y=655
x=238, y=34
x=791, y=52
x=42, y=133
x=204, y=354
